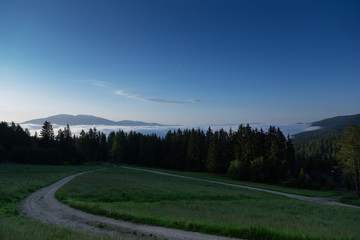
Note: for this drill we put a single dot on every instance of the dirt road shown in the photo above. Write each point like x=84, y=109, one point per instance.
x=43, y=205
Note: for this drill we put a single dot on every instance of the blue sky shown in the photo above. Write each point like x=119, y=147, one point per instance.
x=180, y=62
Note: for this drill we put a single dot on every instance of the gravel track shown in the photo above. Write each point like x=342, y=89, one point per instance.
x=42, y=205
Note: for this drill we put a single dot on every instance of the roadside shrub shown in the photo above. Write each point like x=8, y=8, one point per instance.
x=238, y=170
x=301, y=182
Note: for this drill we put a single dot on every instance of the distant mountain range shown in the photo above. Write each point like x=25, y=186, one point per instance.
x=63, y=119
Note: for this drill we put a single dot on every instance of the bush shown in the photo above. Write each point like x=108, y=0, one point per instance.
x=238, y=170
x=301, y=182
x=260, y=170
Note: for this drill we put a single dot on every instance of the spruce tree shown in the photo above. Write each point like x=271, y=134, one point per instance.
x=47, y=135
x=350, y=154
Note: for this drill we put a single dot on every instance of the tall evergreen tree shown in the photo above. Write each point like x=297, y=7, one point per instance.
x=47, y=135
x=350, y=154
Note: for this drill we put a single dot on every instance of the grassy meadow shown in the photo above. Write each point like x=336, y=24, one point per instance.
x=16, y=182
x=205, y=207
x=217, y=177
x=339, y=195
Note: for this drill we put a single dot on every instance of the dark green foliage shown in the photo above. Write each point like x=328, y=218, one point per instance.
x=3, y=154
x=260, y=156
x=92, y=145
x=349, y=155
x=321, y=153
x=256, y=154
x=302, y=181
x=338, y=122
x=13, y=135
x=47, y=135
x=16, y=145
x=244, y=154
x=238, y=170
x=33, y=155
x=324, y=142
x=259, y=170
x=67, y=148
x=317, y=151
x=149, y=150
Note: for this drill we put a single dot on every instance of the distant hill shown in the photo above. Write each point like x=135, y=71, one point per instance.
x=63, y=119
x=337, y=122
x=328, y=126
x=322, y=146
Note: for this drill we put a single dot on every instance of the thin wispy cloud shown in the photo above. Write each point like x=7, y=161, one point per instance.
x=96, y=83
x=130, y=94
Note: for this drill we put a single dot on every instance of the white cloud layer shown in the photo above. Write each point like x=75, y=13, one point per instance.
x=134, y=95
x=287, y=129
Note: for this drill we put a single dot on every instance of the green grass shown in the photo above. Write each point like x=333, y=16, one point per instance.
x=330, y=194
x=21, y=228
x=16, y=182
x=205, y=207
x=343, y=196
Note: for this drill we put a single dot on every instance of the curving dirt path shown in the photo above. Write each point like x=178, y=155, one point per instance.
x=42, y=205
x=304, y=198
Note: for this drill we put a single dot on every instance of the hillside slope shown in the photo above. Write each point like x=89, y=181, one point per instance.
x=338, y=122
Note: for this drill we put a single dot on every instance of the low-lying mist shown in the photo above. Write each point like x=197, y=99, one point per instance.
x=287, y=129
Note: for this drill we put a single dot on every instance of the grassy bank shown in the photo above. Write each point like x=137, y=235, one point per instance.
x=17, y=181
x=205, y=207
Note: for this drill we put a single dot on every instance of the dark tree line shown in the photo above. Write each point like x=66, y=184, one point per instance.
x=317, y=152
x=318, y=149
x=246, y=154
x=349, y=155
